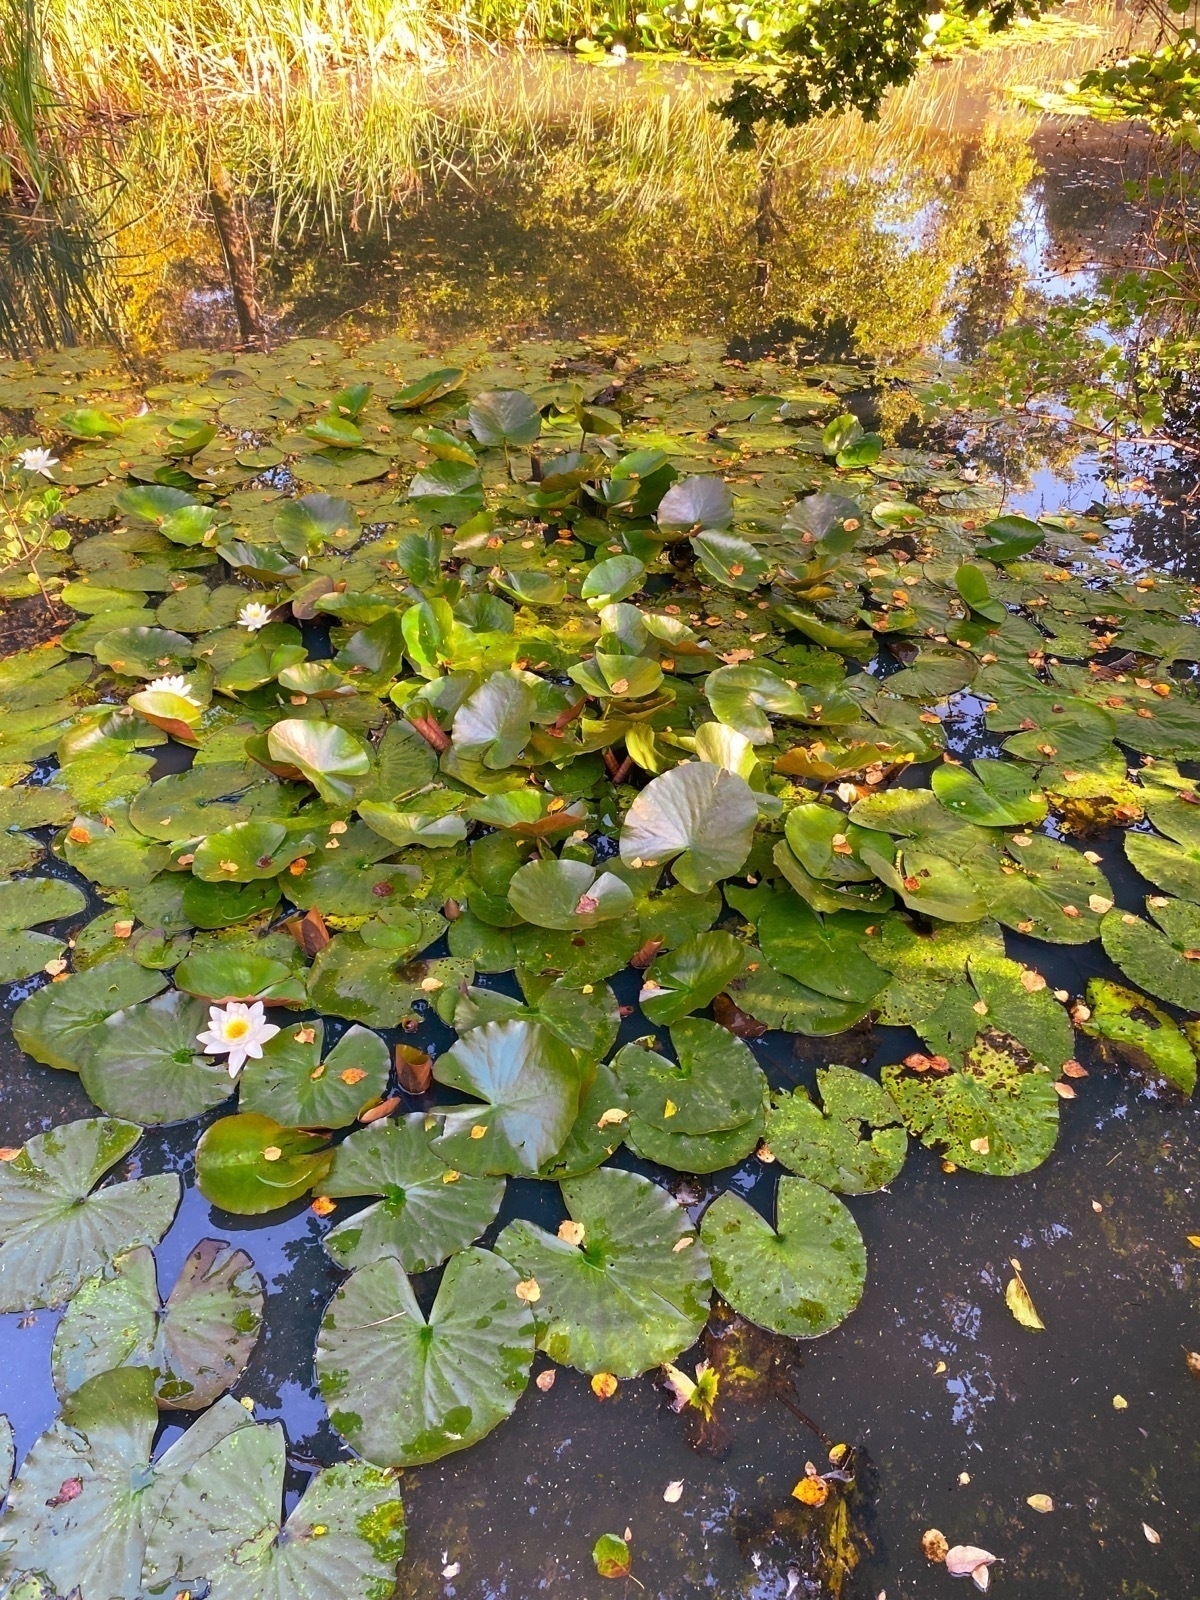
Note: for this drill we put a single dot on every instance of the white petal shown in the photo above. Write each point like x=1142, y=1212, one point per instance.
x=963, y=1559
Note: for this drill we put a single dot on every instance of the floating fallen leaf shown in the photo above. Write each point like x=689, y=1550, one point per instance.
x=383, y=1109
x=309, y=932
x=940, y=1368
x=673, y=1491
x=1064, y=1091
x=812, y=1490
x=322, y=1206
x=529, y=1290
x=1192, y=1357
x=964, y=1479
x=1040, y=1502
x=571, y=1232
x=414, y=1069
x=934, y=1545
x=1152, y=1534
x=1120, y=1403
x=969, y=1561
x=611, y=1556
x=1020, y=1302
x=1194, y=1238
x=545, y=1380
x=613, y=1115
x=452, y=1570
x=604, y=1386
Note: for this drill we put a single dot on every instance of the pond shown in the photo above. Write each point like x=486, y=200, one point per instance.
x=539, y=223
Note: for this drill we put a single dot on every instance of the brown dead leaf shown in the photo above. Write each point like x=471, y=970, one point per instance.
x=383, y=1109
x=642, y=958
x=414, y=1069
x=735, y=1020
x=309, y=932
x=934, y=1545
x=545, y=1380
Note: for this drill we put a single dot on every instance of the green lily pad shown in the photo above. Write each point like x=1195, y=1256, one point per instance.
x=93, y=1542
x=996, y=795
x=697, y=817
x=54, y=1232
x=996, y=1114
x=403, y=1390
x=741, y=697
x=599, y=1129
x=504, y=417
x=1142, y=1032
x=696, y=1153
x=224, y=905
x=427, y=1210
x=827, y=843
x=823, y=953
x=716, y=1084
x=567, y=894
x=781, y=1002
x=433, y=823
x=56, y=1026
x=249, y=1164
x=144, y=1062
x=247, y=851
x=221, y=974
x=144, y=652
x=220, y=1531
x=1051, y=894
x=690, y=976
x=1173, y=867
x=332, y=759
x=196, y=1344
x=531, y=1085
x=629, y=1296
x=493, y=724
x=352, y=979
x=852, y=1141
x=801, y=1278
x=297, y=1084
x=188, y=804
x=1160, y=959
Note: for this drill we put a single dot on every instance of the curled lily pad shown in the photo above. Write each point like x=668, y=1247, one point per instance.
x=220, y=1529
x=54, y=1232
x=425, y=390
x=698, y=817
x=800, y=1278
x=196, y=1343
x=1142, y=1032
x=332, y=759
x=435, y=825
x=426, y=1210
x=297, y=1084
x=56, y=1025
x=403, y=1390
x=249, y=1164
x=629, y=1294
x=530, y=1083
x=690, y=976
x=853, y=1141
x=996, y=1114
x=144, y=1062
x=568, y=894
x=715, y=1085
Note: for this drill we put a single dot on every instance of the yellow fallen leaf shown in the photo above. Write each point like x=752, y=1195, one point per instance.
x=1020, y=1302
x=1040, y=1502
x=1194, y=1238
x=604, y=1386
x=812, y=1490
x=1120, y=1403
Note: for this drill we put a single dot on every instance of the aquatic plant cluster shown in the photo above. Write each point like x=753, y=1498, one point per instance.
x=389, y=677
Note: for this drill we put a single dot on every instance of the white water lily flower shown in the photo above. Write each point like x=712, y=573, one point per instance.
x=254, y=616
x=238, y=1030
x=37, y=461
x=177, y=685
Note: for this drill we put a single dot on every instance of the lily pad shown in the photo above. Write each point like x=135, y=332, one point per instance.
x=1160, y=960
x=741, y=697
x=403, y=1390
x=781, y=1002
x=249, y=1164
x=630, y=1295
x=56, y=1026
x=144, y=1062
x=332, y=759
x=823, y=953
x=715, y=1085
x=568, y=894
x=427, y=1210
x=1142, y=1032
x=801, y=1278
x=996, y=795
x=996, y=1114
x=1175, y=868
x=54, y=1232
x=220, y=1531
x=196, y=1344
x=531, y=1085
x=853, y=1141
x=698, y=817
x=690, y=976
x=297, y=1084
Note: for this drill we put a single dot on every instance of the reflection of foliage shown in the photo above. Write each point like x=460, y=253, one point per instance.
x=845, y=54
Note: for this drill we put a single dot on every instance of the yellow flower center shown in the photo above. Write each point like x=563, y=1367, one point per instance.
x=236, y=1028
